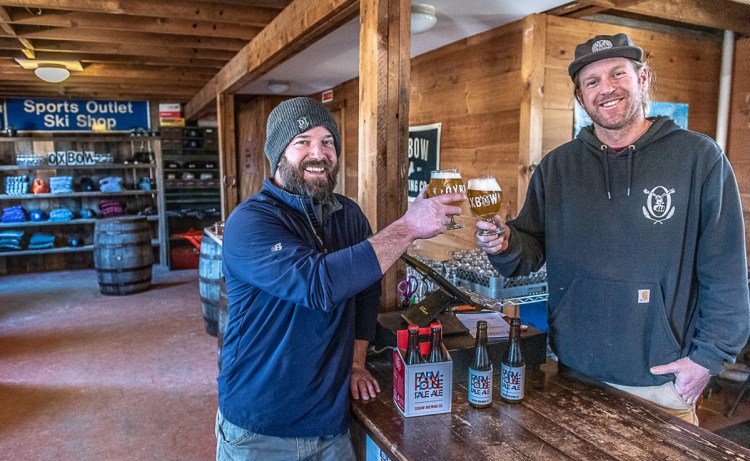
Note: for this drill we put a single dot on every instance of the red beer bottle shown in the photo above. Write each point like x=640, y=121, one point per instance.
x=513, y=366
x=436, y=343
x=413, y=355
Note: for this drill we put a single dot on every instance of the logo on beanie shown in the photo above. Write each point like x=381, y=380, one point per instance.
x=601, y=45
x=304, y=123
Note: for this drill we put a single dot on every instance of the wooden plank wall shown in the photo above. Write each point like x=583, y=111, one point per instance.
x=252, y=165
x=738, y=141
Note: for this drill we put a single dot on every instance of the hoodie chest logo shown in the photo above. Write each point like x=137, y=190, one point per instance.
x=659, y=206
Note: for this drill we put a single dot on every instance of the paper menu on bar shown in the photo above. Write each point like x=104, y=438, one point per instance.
x=497, y=327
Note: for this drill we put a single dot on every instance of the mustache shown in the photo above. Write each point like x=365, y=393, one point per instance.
x=324, y=163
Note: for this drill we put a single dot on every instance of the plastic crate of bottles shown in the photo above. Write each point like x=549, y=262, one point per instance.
x=472, y=270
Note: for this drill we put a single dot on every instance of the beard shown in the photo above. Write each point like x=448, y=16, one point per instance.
x=293, y=178
x=630, y=115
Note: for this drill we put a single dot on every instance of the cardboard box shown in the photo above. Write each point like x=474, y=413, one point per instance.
x=171, y=121
x=423, y=388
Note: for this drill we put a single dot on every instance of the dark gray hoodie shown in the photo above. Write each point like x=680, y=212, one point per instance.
x=645, y=253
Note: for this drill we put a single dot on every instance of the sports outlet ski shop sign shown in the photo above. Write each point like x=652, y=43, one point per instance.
x=34, y=115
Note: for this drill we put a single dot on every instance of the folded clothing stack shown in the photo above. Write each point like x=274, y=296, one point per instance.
x=41, y=241
x=60, y=214
x=16, y=185
x=14, y=214
x=10, y=239
x=111, y=208
x=110, y=184
x=61, y=184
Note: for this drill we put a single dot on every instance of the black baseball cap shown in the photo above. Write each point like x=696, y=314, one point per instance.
x=603, y=47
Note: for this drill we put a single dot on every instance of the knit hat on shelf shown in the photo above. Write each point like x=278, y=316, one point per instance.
x=292, y=117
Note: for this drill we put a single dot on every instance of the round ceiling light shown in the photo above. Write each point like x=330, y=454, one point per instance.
x=51, y=73
x=422, y=18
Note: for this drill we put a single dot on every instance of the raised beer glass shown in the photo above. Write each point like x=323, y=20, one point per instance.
x=447, y=182
x=485, y=199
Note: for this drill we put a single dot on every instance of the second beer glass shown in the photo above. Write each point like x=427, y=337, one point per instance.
x=447, y=182
x=485, y=199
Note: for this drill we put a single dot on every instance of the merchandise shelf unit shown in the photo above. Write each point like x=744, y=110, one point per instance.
x=192, y=186
x=137, y=161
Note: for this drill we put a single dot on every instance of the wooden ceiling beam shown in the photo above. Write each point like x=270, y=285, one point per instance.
x=715, y=14
x=6, y=27
x=88, y=58
x=187, y=9
x=128, y=49
x=103, y=37
x=135, y=24
x=302, y=23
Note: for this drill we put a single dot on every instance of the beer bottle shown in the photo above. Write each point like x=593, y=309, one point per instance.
x=480, y=371
x=513, y=367
x=436, y=343
x=412, y=350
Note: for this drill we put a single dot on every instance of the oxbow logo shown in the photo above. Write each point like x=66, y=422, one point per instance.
x=658, y=206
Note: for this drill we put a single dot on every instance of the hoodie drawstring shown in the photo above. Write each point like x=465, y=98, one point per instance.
x=606, y=171
x=631, y=149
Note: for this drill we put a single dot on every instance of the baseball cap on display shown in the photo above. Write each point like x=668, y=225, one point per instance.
x=603, y=47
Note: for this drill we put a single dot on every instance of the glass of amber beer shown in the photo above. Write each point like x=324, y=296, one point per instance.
x=485, y=199
x=447, y=182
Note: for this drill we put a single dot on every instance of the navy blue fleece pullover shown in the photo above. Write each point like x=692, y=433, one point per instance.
x=301, y=286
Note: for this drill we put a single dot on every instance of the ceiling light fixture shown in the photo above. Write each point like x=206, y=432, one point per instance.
x=277, y=86
x=49, y=70
x=52, y=73
x=422, y=18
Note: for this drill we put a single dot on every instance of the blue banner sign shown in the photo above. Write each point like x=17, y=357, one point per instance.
x=75, y=115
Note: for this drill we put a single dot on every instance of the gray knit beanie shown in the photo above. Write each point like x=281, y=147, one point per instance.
x=292, y=117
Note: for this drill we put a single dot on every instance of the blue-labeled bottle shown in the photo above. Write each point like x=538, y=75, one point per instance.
x=480, y=371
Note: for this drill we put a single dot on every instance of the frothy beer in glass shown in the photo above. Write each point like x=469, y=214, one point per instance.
x=446, y=182
x=485, y=197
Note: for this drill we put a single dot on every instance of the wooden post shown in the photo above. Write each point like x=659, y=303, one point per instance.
x=227, y=153
x=532, y=100
x=384, y=64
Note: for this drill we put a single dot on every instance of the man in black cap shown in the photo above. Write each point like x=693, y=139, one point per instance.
x=641, y=228
x=303, y=272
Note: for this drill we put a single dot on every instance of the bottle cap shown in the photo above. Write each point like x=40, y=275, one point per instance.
x=436, y=324
x=413, y=326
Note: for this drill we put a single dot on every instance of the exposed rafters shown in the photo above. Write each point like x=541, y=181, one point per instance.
x=166, y=49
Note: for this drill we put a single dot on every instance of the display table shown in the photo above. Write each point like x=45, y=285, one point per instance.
x=561, y=417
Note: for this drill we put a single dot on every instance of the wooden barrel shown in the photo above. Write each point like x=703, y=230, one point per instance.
x=123, y=257
x=223, y=317
x=209, y=272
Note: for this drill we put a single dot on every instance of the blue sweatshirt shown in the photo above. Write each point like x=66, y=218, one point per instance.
x=301, y=286
x=645, y=253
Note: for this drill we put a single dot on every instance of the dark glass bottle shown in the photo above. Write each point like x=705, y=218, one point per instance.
x=436, y=343
x=412, y=349
x=480, y=371
x=513, y=367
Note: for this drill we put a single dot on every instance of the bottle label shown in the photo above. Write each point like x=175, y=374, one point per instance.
x=511, y=382
x=480, y=387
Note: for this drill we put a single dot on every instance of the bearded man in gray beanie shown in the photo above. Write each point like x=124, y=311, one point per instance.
x=302, y=272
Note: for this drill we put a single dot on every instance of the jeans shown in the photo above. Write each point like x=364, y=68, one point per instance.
x=234, y=443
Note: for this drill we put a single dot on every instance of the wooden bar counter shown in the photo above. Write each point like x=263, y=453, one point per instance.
x=562, y=417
